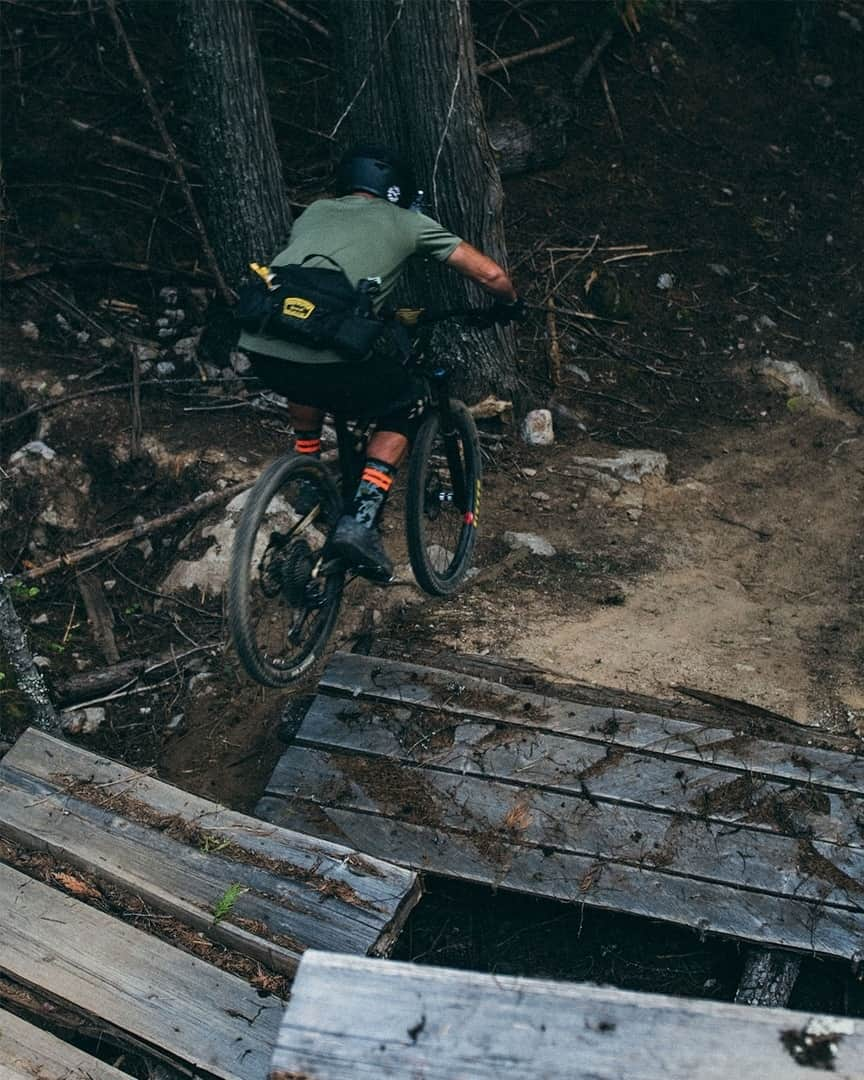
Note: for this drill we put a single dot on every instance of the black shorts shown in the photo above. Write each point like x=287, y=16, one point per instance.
x=378, y=387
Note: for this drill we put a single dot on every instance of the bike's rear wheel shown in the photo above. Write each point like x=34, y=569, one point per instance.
x=442, y=501
x=283, y=595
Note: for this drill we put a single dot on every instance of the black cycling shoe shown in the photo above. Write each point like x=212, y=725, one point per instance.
x=362, y=550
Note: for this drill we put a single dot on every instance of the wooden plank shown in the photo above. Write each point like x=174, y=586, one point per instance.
x=703, y=906
x=430, y=1023
x=408, y=684
x=486, y=812
x=112, y=972
x=28, y=1052
x=598, y=772
x=305, y=890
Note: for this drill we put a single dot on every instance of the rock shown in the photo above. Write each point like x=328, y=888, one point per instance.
x=29, y=330
x=40, y=620
x=200, y=683
x=719, y=269
x=82, y=337
x=105, y=343
x=764, y=322
x=537, y=545
x=42, y=662
x=665, y=281
x=634, y=513
x=537, y=428
x=629, y=465
x=37, y=448
x=529, y=472
x=824, y=82
x=145, y=351
x=795, y=379
x=168, y=294
x=579, y=372
x=165, y=368
x=186, y=349
x=541, y=496
x=82, y=721
x=240, y=362
x=176, y=724
x=439, y=556
x=110, y=585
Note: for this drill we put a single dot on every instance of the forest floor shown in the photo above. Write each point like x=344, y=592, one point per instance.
x=718, y=232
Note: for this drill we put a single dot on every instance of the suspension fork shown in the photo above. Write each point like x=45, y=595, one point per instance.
x=439, y=385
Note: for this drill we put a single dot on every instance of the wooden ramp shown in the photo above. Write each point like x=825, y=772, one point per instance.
x=153, y=852
x=677, y=819
x=434, y=1024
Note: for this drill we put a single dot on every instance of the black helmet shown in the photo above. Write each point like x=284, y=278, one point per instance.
x=379, y=171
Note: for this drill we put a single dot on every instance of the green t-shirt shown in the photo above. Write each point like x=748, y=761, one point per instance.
x=367, y=238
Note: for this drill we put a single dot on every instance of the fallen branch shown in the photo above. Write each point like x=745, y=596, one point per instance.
x=292, y=12
x=529, y=54
x=30, y=681
x=111, y=543
x=171, y=151
x=90, y=684
x=610, y=104
x=43, y=406
x=100, y=615
x=588, y=64
x=768, y=978
x=554, y=347
x=128, y=144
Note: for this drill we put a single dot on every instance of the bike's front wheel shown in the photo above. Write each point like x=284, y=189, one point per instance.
x=283, y=593
x=442, y=500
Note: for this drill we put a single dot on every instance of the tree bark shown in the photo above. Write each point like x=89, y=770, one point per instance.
x=30, y=681
x=409, y=79
x=245, y=202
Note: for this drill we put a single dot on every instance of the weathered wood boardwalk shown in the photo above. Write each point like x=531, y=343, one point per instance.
x=696, y=823
x=166, y=853
x=27, y=1052
x=434, y=1024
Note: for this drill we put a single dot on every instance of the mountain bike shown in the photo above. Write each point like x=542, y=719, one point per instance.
x=285, y=589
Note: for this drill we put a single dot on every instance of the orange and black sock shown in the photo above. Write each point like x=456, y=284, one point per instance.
x=372, y=491
x=308, y=442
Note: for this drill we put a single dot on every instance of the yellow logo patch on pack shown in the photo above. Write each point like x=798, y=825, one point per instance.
x=294, y=307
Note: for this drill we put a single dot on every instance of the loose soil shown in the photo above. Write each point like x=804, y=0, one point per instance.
x=740, y=572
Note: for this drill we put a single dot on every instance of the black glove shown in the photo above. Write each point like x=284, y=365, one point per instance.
x=506, y=313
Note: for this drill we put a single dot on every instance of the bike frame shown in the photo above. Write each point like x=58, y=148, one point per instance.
x=351, y=449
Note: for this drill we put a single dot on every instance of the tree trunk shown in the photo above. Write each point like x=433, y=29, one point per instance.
x=410, y=80
x=30, y=681
x=245, y=204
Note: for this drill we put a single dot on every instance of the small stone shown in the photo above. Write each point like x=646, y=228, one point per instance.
x=168, y=295
x=541, y=496
x=29, y=330
x=537, y=545
x=165, y=368
x=82, y=337
x=82, y=721
x=40, y=620
x=719, y=269
x=764, y=322
x=63, y=323
x=110, y=585
x=185, y=349
x=824, y=82
x=537, y=428
x=240, y=362
x=634, y=513
x=529, y=472
x=37, y=448
x=574, y=505
x=176, y=724
x=665, y=281
x=105, y=343
x=42, y=662
x=145, y=352
x=146, y=549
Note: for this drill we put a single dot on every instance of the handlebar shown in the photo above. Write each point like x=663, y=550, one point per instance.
x=476, y=316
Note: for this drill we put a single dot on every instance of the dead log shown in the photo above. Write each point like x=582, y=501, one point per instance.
x=111, y=543
x=94, y=684
x=768, y=978
x=99, y=614
x=30, y=681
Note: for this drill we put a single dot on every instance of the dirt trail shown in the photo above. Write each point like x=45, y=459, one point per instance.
x=756, y=592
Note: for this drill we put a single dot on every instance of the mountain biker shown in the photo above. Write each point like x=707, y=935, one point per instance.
x=370, y=233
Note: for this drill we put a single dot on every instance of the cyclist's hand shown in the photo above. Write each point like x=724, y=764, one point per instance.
x=515, y=311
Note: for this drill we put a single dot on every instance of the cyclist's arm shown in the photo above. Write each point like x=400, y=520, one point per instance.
x=470, y=262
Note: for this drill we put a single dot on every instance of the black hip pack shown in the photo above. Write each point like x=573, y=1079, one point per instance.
x=312, y=306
